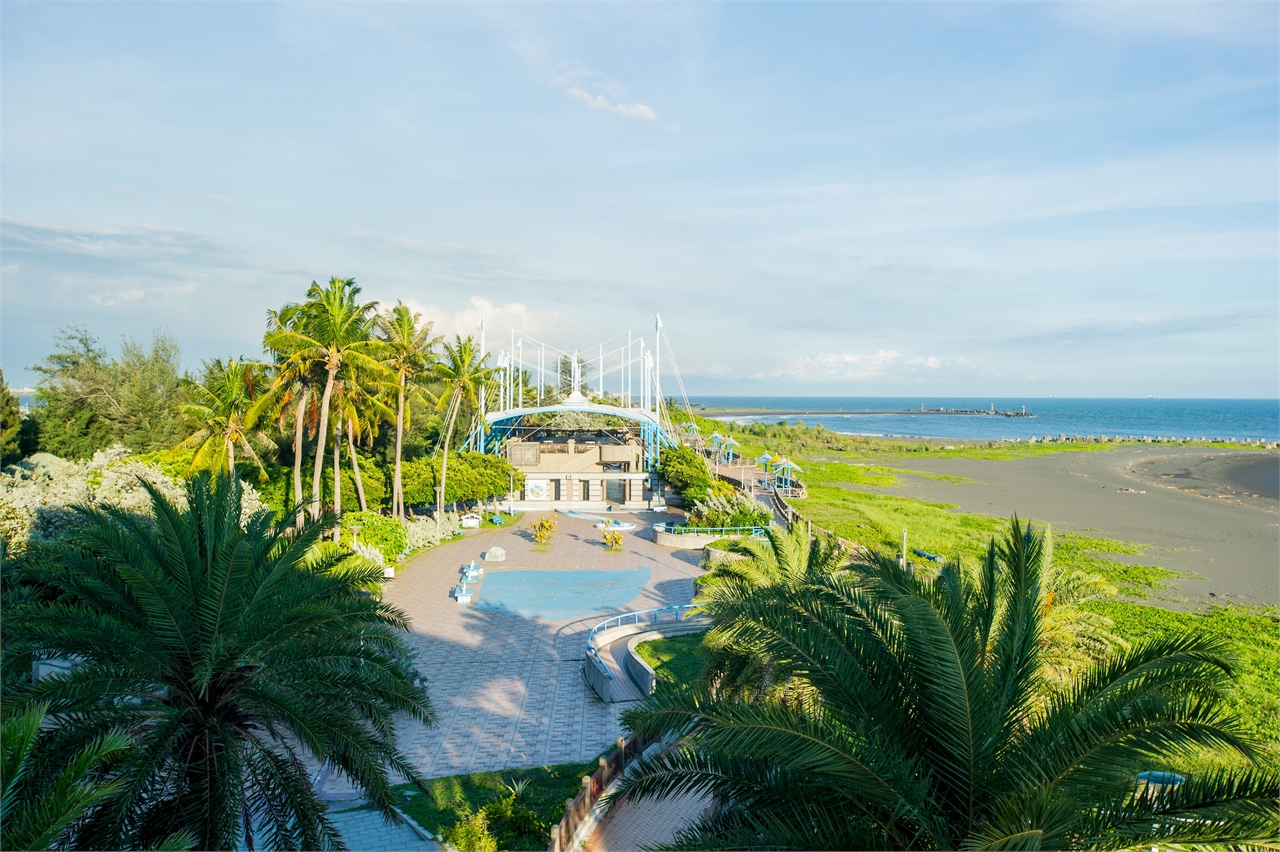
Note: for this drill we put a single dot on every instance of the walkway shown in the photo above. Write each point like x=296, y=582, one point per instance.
x=369, y=831
x=634, y=825
x=508, y=691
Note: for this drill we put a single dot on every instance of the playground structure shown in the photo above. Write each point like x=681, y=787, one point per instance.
x=579, y=447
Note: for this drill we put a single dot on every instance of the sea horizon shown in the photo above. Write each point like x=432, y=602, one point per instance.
x=1181, y=418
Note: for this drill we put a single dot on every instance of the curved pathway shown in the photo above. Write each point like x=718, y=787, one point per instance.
x=508, y=691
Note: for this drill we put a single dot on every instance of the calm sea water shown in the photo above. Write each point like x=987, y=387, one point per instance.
x=1212, y=418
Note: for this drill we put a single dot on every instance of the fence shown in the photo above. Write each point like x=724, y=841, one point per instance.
x=653, y=616
x=578, y=810
x=676, y=529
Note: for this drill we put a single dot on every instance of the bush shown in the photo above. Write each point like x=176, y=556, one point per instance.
x=686, y=472
x=513, y=825
x=471, y=834
x=423, y=533
x=736, y=510
x=613, y=539
x=543, y=529
x=386, y=534
x=36, y=499
x=471, y=477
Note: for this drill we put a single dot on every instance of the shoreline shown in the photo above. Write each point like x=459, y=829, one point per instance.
x=1203, y=512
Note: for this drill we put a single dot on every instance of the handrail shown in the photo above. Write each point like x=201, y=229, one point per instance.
x=593, y=653
x=688, y=530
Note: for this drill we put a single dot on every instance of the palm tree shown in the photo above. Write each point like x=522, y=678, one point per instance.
x=410, y=355
x=337, y=331
x=296, y=376
x=787, y=557
x=231, y=656
x=917, y=723
x=462, y=372
x=359, y=414
x=224, y=407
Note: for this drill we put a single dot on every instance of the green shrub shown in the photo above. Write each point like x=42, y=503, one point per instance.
x=686, y=472
x=471, y=834
x=732, y=511
x=386, y=534
x=513, y=825
x=472, y=476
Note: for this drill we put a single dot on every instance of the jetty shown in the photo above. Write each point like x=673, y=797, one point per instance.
x=715, y=413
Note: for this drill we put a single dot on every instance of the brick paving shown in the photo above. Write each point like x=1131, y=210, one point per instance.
x=637, y=825
x=369, y=831
x=508, y=691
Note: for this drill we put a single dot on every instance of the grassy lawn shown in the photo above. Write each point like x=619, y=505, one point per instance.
x=1251, y=635
x=876, y=520
x=675, y=659
x=521, y=822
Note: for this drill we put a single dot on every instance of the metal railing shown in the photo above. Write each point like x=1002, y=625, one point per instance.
x=650, y=616
x=755, y=532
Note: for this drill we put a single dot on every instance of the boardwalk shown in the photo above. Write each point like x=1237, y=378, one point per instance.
x=508, y=691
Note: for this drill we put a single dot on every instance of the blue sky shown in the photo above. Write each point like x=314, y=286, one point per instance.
x=952, y=199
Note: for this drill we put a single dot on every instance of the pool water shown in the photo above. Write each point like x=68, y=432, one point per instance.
x=560, y=595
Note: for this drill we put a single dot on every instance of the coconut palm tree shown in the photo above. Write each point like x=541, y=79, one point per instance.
x=235, y=658
x=296, y=376
x=335, y=330
x=359, y=412
x=224, y=408
x=916, y=722
x=410, y=354
x=461, y=372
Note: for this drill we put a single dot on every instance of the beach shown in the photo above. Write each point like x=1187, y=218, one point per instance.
x=1209, y=513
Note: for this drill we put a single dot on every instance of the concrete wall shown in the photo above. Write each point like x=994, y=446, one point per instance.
x=641, y=674
x=688, y=541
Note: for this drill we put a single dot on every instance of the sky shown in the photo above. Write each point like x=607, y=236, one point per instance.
x=954, y=199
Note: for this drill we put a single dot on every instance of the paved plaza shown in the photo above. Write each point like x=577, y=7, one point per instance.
x=369, y=831
x=508, y=691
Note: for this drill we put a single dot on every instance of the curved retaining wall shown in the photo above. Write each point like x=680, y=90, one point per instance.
x=689, y=541
x=633, y=666
x=641, y=674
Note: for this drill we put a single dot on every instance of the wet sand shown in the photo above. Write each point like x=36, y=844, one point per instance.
x=1211, y=513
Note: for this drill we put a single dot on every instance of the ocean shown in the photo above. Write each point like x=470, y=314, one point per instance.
x=1238, y=419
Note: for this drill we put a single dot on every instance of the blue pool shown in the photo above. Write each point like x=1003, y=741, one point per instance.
x=560, y=595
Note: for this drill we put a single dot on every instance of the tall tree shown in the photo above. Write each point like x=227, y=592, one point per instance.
x=410, y=354
x=230, y=655
x=359, y=412
x=290, y=396
x=223, y=407
x=86, y=400
x=461, y=372
x=10, y=425
x=915, y=720
x=335, y=330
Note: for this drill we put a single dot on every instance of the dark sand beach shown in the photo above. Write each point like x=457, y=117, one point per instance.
x=1211, y=513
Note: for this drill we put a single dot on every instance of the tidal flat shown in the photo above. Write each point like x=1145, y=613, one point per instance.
x=1208, y=514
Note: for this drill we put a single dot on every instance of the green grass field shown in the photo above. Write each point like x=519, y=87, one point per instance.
x=675, y=659
x=459, y=796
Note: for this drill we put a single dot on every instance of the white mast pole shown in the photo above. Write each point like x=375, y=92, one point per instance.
x=542, y=375
x=482, y=408
x=657, y=362
x=520, y=376
x=627, y=370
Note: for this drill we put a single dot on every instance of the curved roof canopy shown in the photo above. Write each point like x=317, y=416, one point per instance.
x=646, y=419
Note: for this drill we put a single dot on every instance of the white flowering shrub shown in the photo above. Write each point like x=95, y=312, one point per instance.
x=422, y=533
x=368, y=551
x=737, y=510
x=36, y=498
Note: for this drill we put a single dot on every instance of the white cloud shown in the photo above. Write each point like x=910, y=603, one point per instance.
x=574, y=76
x=533, y=325
x=849, y=366
x=1205, y=19
x=635, y=112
